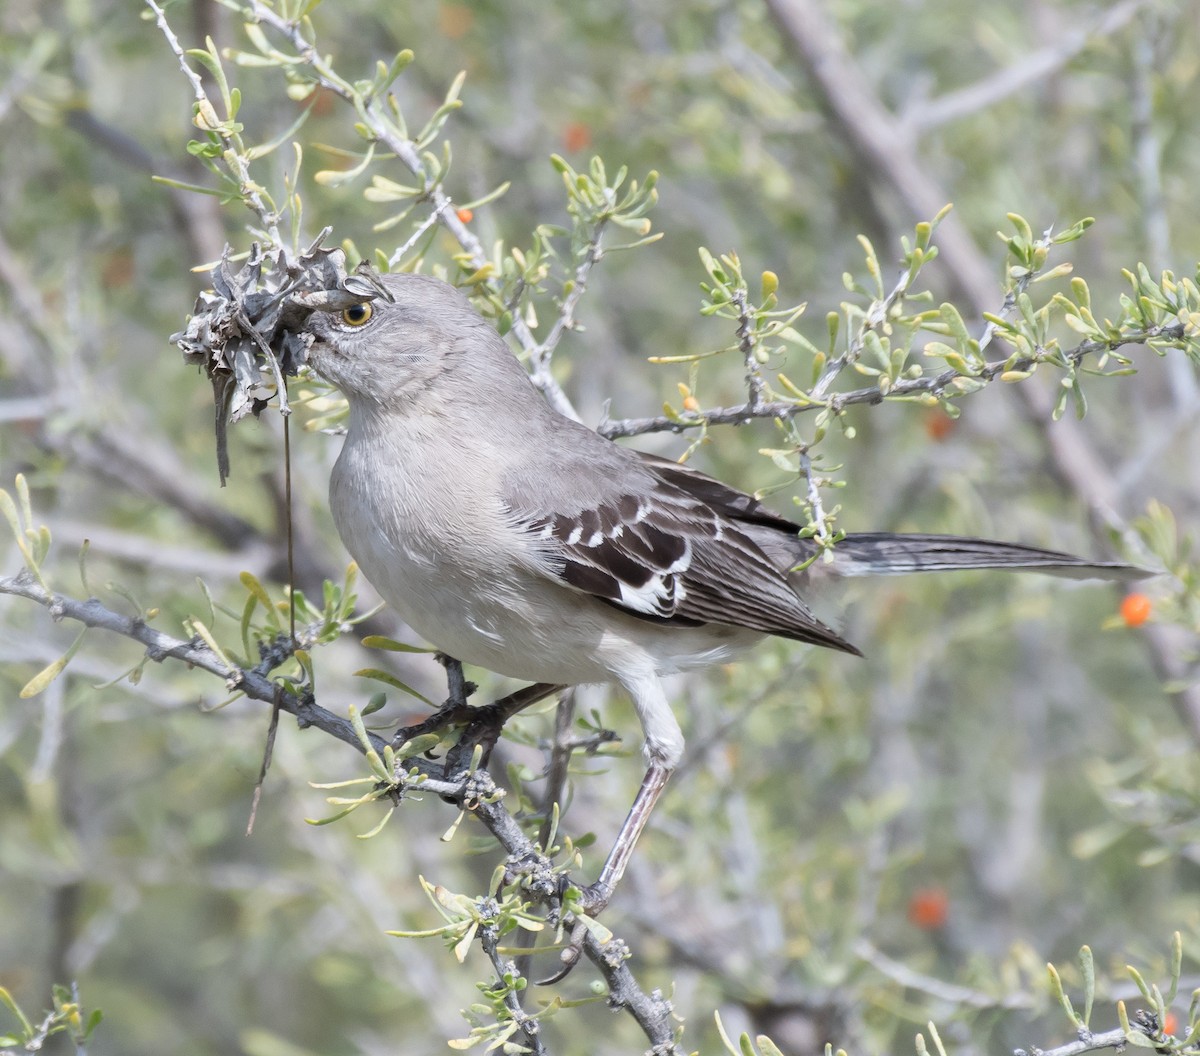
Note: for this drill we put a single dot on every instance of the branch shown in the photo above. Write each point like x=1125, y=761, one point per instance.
x=943, y=991
x=527, y=1024
x=1087, y=1042
x=541, y=354
x=475, y=793
x=889, y=160
x=207, y=116
x=987, y=91
x=253, y=682
x=746, y=345
x=374, y=115
x=933, y=384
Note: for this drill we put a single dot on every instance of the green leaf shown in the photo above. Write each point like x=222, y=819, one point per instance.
x=1074, y=231
x=1176, y=966
x=1087, y=968
x=958, y=329
x=937, y=1038
x=49, y=673
x=1136, y=976
x=195, y=188
x=377, y=829
x=263, y=149
x=394, y=682
x=418, y=745
x=377, y=702
x=488, y=198
x=1056, y=990
x=379, y=641
x=1021, y=225
x=402, y=59
x=27, y=1028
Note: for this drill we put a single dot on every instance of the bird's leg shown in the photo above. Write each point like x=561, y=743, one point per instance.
x=596, y=897
x=598, y=894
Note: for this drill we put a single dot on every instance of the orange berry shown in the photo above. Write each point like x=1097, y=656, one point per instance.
x=1170, y=1023
x=939, y=425
x=690, y=403
x=1135, y=609
x=577, y=136
x=928, y=908
x=465, y=215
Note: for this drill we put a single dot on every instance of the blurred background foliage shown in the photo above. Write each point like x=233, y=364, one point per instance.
x=852, y=847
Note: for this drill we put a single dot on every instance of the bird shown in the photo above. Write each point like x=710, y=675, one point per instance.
x=519, y=540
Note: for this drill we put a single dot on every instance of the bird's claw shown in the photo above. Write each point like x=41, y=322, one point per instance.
x=592, y=902
x=568, y=957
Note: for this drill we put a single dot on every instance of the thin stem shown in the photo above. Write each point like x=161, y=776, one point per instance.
x=374, y=115
x=933, y=384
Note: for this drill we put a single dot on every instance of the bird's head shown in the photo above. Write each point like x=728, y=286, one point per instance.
x=392, y=349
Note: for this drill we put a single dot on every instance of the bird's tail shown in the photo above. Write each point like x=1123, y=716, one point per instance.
x=889, y=554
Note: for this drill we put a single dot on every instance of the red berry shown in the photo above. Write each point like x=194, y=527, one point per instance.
x=577, y=136
x=929, y=907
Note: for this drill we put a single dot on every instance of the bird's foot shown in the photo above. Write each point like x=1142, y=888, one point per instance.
x=595, y=898
x=592, y=901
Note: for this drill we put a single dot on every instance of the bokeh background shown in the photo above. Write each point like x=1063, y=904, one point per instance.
x=852, y=848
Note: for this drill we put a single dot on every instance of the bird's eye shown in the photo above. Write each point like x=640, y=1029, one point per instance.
x=357, y=314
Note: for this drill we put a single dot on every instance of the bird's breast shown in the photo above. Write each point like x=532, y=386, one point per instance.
x=441, y=551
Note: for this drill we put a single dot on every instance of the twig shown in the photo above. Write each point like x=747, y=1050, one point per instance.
x=652, y=1012
x=375, y=116
x=254, y=683
x=1087, y=1042
x=473, y=792
x=562, y=748
x=939, y=988
x=934, y=384
x=268, y=753
x=887, y=157
x=528, y=1025
x=987, y=91
x=249, y=190
x=746, y=345
x=541, y=355
x=812, y=494
x=878, y=314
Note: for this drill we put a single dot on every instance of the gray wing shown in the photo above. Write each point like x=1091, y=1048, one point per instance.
x=674, y=546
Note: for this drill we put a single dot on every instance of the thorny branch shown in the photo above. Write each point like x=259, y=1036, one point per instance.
x=253, y=682
x=374, y=115
x=475, y=793
x=878, y=314
x=1143, y=1024
x=541, y=355
x=206, y=114
x=746, y=345
x=528, y=1026
x=889, y=161
x=934, y=384
x=1087, y=1042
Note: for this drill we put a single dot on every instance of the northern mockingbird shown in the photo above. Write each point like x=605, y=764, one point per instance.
x=516, y=539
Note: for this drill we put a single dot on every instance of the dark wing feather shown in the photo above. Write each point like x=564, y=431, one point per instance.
x=677, y=552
